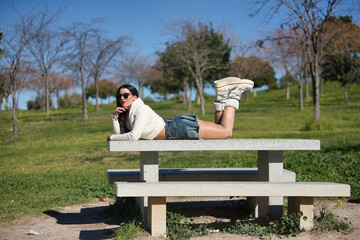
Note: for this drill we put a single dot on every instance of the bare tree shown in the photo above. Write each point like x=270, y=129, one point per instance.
x=25, y=31
x=46, y=49
x=59, y=82
x=135, y=69
x=104, y=51
x=80, y=36
x=242, y=50
x=310, y=17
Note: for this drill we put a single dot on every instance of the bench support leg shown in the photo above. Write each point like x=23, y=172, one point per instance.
x=149, y=171
x=305, y=205
x=157, y=216
x=270, y=168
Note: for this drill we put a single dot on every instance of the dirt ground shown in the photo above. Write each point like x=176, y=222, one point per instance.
x=85, y=222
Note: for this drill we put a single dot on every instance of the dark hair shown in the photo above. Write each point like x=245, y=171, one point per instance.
x=122, y=116
x=131, y=88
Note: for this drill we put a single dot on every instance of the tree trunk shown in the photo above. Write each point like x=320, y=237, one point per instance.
x=190, y=96
x=287, y=85
x=42, y=100
x=316, y=93
x=307, y=92
x=15, y=122
x=57, y=98
x=17, y=100
x=185, y=90
x=6, y=106
x=199, y=83
x=47, y=105
x=83, y=89
x=301, y=98
x=287, y=90
x=202, y=100
x=97, y=93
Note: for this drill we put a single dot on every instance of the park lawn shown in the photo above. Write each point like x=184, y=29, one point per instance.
x=61, y=160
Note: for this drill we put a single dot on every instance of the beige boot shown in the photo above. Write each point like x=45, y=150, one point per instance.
x=225, y=87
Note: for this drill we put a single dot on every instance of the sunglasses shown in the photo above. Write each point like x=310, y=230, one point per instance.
x=125, y=95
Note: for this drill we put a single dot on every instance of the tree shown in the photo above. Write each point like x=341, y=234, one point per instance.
x=344, y=68
x=203, y=51
x=254, y=68
x=341, y=35
x=36, y=104
x=160, y=82
x=284, y=79
x=310, y=17
x=60, y=82
x=104, y=51
x=134, y=69
x=175, y=76
x=26, y=30
x=80, y=36
x=280, y=53
x=46, y=49
x=104, y=89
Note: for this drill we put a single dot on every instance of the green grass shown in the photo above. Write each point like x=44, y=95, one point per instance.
x=62, y=160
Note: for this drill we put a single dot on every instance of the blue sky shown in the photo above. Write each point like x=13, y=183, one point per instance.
x=143, y=19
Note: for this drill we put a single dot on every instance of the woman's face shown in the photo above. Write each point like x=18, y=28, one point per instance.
x=126, y=102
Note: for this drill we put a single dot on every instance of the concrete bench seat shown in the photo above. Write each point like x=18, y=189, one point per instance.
x=220, y=189
x=300, y=195
x=195, y=174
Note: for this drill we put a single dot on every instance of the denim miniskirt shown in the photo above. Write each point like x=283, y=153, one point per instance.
x=183, y=126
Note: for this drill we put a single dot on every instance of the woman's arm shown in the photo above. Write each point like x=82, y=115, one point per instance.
x=115, y=124
x=115, y=121
x=140, y=122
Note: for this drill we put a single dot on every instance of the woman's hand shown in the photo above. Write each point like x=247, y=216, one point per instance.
x=119, y=110
x=108, y=137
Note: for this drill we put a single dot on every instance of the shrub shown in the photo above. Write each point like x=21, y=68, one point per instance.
x=261, y=227
x=327, y=220
x=73, y=100
x=38, y=103
x=128, y=231
x=287, y=224
x=178, y=227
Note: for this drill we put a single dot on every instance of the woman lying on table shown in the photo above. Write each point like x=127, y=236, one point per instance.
x=133, y=120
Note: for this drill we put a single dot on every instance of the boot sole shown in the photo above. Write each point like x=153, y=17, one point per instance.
x=233, y=81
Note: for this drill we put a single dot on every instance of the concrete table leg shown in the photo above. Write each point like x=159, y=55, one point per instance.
x=149, y=171
x=270, y=168
x=157, y=216
x=305, y=205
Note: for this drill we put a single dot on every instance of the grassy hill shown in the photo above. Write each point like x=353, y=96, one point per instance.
x=62, y=160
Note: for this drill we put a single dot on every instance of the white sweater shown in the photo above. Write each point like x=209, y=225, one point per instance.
x=143, y=122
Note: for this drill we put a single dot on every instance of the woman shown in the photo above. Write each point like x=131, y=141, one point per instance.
x=133, y=120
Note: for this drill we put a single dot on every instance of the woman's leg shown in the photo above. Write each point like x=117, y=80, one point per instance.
x=228, y=94
x=221, y=130
x=218, y=116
